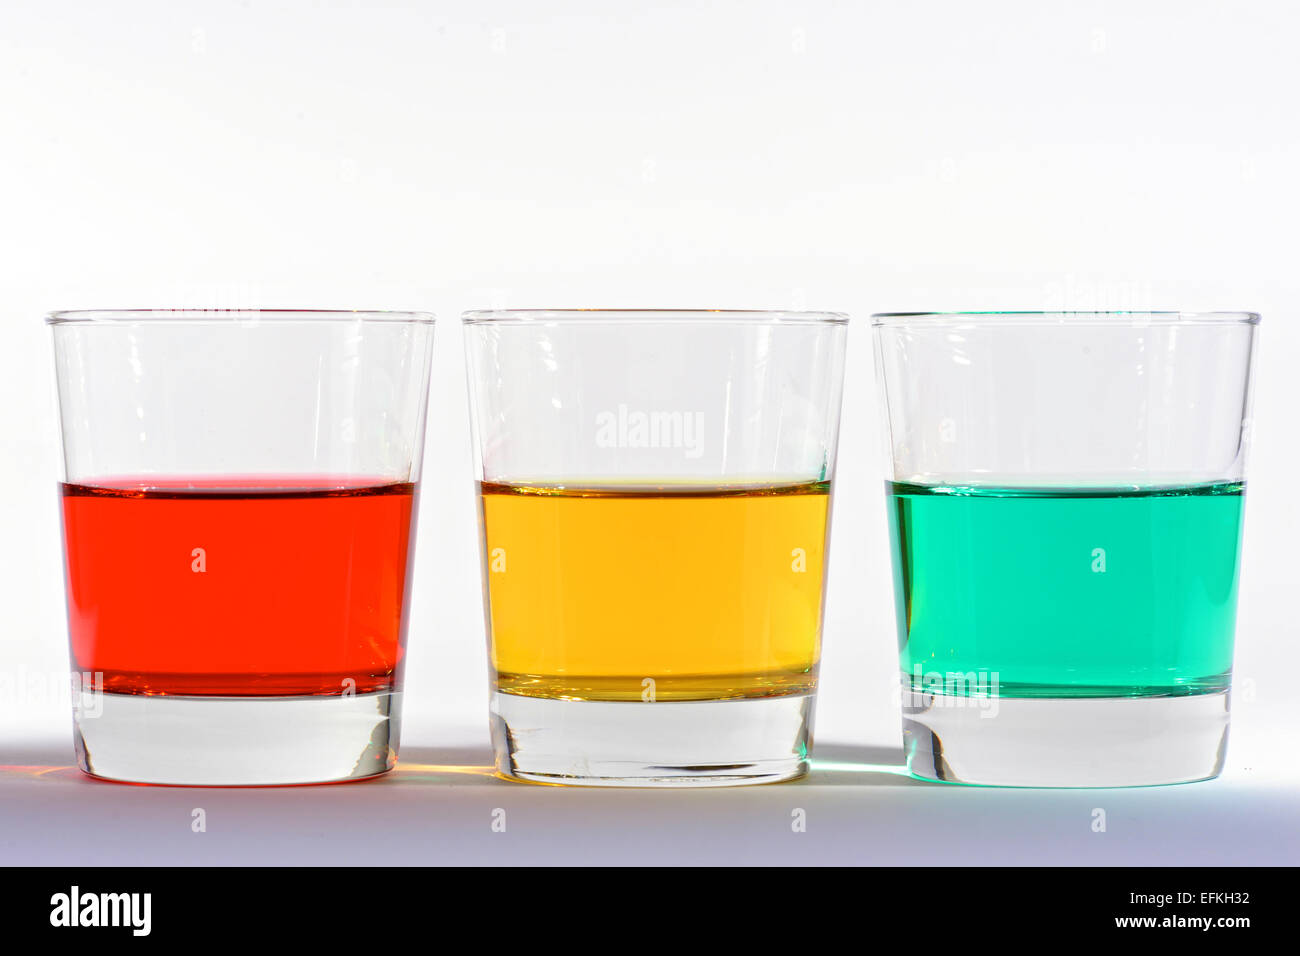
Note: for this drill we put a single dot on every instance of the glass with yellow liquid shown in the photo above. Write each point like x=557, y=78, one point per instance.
x=654, y=503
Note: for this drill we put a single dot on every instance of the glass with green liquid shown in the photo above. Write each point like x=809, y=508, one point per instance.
x=1065, y=511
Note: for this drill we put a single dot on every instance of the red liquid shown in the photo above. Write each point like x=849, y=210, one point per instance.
x=302, y=590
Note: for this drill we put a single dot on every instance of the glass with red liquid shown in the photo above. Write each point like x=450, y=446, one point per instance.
x=238, y=513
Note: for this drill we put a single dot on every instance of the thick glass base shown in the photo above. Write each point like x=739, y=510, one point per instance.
x=236, y=741
x=1060, y=742
x=661, y=744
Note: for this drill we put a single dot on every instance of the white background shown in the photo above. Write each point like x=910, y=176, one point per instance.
x=850, y=156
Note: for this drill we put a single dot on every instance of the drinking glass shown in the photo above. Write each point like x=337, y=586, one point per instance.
x=238, y=508
x=1065, y=504
x=654, y=498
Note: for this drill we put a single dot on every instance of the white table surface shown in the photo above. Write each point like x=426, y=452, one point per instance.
x=438, y=808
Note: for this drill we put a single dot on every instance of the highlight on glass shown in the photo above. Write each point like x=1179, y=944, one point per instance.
x=238, y=511
x=1065, y=502
x=654, y=498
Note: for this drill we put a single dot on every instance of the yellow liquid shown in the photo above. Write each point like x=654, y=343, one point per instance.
x=654, y=593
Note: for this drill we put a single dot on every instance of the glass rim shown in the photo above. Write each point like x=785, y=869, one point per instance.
x=123, y=316
x=1068, y=317
x=648, y=316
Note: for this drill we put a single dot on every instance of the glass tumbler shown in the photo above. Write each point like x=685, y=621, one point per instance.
x=238, y=509
x=1065, y=503
x=654, y=498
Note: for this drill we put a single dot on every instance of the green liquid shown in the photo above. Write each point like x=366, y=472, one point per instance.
x=1066, y=592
